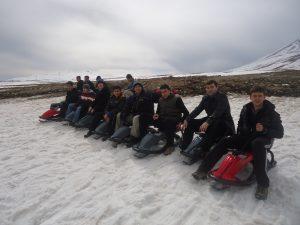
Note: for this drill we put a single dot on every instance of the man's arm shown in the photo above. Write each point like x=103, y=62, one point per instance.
x=197, y=110
x=183, y=109
x=276, y=129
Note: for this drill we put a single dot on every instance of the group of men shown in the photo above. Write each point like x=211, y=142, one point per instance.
x=258, y=124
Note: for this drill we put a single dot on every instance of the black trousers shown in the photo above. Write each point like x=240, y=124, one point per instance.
x=168, y=126
x=145, y=121
x=98, y=116
x=256, y=145
x=214, y=132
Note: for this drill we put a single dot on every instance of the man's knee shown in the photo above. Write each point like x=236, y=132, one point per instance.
x=225, y=141
x=258, y=143
x=118, y=117
x=136, y=120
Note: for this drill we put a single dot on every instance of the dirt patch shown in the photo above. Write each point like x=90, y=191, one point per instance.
x=285, y=83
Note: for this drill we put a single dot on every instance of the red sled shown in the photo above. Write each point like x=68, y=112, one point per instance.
x=50, y=114
x=236, y=169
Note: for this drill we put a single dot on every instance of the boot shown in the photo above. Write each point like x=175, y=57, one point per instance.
x=200, y=174
x=169, y=150
x=89, y=133
x=261, y=192
x=132, y=141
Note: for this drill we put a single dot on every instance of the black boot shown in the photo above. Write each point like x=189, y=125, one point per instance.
x=132, y=141
x=89, y=133
x=261, y=192
x=200, y=174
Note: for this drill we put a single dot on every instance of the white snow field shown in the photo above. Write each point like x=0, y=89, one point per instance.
x=51, y=175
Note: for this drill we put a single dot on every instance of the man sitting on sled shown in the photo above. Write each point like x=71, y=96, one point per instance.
x=259, y=123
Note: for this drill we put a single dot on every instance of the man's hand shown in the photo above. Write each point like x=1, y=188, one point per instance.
x=259, y=127
x=184, y=125
x=155, y=117
x=203, y=127
x=106, y=118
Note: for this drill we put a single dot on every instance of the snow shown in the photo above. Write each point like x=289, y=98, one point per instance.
x=50, y=174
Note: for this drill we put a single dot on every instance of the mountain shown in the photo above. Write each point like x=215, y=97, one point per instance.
x=286, y=58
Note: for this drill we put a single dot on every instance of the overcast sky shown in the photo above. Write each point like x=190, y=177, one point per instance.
x=140, y=37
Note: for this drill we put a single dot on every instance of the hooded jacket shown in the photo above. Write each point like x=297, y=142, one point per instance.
x=267, y=116
x=142, y=104
x=114, y=106
x=72, y=96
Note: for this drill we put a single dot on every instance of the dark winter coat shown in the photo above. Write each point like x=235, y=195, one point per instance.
x=267, y=116
x=79, y=86
x=101, y=100
x=91, y=85
x=72, y=96
x=142, y=104
x=217, y=108
x=114, y=106
x=172, y=107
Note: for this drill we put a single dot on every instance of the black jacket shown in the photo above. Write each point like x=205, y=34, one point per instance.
x=114, y=106
x=92, y=86
x=217, y=108
x=142, y=104
x=79, y=86
x=72, y=96
x=267, y=116
x=101, y=100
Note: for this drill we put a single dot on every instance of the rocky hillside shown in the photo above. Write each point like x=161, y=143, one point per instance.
x=285, y=83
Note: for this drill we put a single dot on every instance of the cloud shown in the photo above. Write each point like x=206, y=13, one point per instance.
x=140, y=37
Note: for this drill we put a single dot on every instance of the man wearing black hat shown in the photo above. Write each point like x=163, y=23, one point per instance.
x=138, y=112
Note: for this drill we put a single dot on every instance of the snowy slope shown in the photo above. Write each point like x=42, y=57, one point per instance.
x=51, y=175
x=287, y=58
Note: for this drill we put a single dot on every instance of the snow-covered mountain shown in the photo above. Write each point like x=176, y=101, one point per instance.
x=286, y=58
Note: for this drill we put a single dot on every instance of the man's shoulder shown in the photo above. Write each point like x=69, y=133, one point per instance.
x=221, y=95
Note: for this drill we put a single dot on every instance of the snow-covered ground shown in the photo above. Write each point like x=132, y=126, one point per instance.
x=51, y=175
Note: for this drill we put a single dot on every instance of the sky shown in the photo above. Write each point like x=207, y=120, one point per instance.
x=113, y=38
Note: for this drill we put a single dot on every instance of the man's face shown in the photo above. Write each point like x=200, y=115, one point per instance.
x=165, y=93
x=86, y=78
x=257, y=98
x=70, y=87
x=138, y=89
x=100, y=86
x=129, y=79
x=117, y=93
x=211, y=89
x=85, y=90
x=78, y=78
